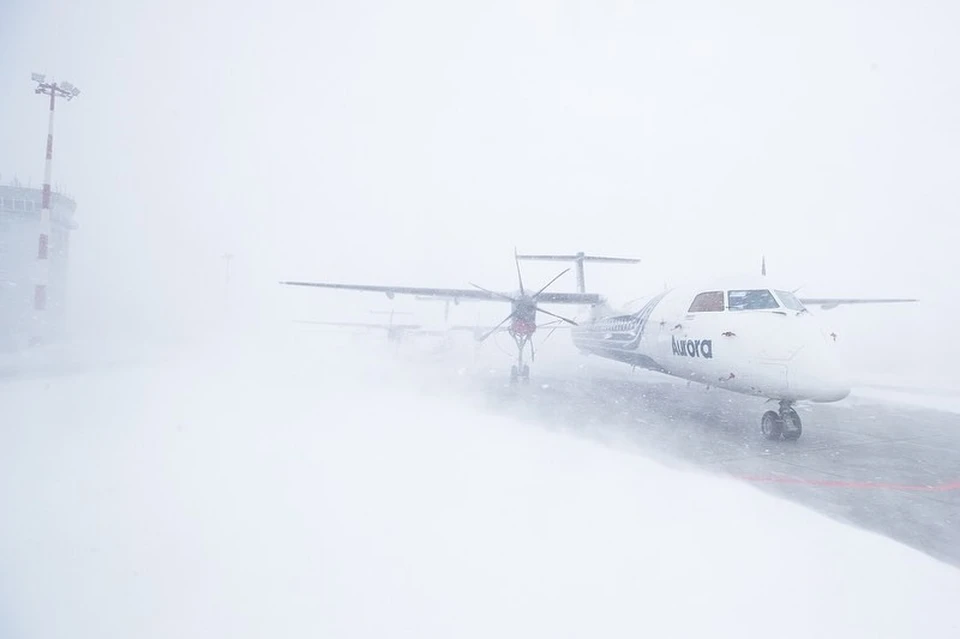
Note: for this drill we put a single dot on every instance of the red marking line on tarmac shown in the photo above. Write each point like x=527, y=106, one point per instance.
x=843, y=483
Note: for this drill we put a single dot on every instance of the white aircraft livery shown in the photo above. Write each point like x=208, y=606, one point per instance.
x=743, y=335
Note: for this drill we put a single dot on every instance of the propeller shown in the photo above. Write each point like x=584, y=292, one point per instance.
x=527, y=301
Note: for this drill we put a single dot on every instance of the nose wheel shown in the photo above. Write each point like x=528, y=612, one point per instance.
x=782, y=424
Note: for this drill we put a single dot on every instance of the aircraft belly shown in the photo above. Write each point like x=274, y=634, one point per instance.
x=634, y=358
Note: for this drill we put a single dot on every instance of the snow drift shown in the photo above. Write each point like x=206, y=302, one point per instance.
x=278, y=490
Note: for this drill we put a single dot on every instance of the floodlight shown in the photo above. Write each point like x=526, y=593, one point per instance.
x=38, y=77
x=75, y=91
x=66, y=86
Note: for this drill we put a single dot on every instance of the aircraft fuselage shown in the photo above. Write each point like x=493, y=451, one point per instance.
x=780, y=353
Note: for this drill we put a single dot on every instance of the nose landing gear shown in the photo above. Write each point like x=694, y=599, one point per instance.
x=784, y=424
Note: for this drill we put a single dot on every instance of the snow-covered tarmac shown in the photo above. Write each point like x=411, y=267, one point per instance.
x=288, y=488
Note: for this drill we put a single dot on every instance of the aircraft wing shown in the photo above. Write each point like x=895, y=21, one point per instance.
x=390, y=291
x=406, y=327
x=569, y=298
x=453, y=293
x=827, y=303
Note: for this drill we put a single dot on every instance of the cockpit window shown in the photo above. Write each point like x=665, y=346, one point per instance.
x=709, y=301
x=790, y=301
x=751, y=300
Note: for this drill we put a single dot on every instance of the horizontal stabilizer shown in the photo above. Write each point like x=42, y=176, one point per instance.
x=580, y=257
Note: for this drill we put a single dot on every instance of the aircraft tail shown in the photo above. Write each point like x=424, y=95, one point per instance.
x=579, y=259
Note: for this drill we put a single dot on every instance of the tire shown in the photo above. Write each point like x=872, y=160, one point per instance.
x=790, y=424
x=771, y=425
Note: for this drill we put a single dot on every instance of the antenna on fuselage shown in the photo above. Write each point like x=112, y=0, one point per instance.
x=579, y=259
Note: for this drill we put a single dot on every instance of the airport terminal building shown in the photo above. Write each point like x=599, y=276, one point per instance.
x=19, y=229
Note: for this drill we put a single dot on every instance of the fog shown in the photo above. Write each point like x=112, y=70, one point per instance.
x=418, y=143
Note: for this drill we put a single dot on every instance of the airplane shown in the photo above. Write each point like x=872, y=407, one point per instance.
x=395, y=331
x=745, y=334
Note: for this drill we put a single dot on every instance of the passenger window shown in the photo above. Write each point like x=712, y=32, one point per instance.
x=707, y=302
x=751, y=300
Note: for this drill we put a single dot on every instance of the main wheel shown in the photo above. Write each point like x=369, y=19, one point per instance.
x=771, y=425
x=791, y=425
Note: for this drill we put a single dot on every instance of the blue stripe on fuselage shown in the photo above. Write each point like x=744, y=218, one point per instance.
x=615, y=334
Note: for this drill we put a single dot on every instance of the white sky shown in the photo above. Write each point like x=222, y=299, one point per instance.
x=419, y=142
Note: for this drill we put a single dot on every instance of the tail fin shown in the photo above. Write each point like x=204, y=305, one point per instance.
x=579, y=259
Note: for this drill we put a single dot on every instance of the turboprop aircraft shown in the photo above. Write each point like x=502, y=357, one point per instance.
x=746, y=335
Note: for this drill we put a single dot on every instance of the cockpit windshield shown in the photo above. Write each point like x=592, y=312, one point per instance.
x=790, y=301
x=711, y=301
x=751, y=300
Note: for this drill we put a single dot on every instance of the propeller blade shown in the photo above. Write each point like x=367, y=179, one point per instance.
x=496, y=328
x=494, y=293
x=559, y=317
x=516, y=258
x=562, y=273
x=552, y=331
x=548, y=324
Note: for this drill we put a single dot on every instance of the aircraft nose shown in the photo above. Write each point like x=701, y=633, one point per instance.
x=817, y=374
x=830, y=388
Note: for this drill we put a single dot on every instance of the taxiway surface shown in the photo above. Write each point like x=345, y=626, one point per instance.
x=893, y=469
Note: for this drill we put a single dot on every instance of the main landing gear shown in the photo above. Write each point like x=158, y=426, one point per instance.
x=784, y=423
x=520, y=374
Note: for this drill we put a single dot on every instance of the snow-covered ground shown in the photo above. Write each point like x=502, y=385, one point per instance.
x=923, y=391
x=947, y=402
x=282, y=488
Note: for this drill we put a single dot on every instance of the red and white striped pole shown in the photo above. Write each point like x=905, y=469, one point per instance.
x=54, y=90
